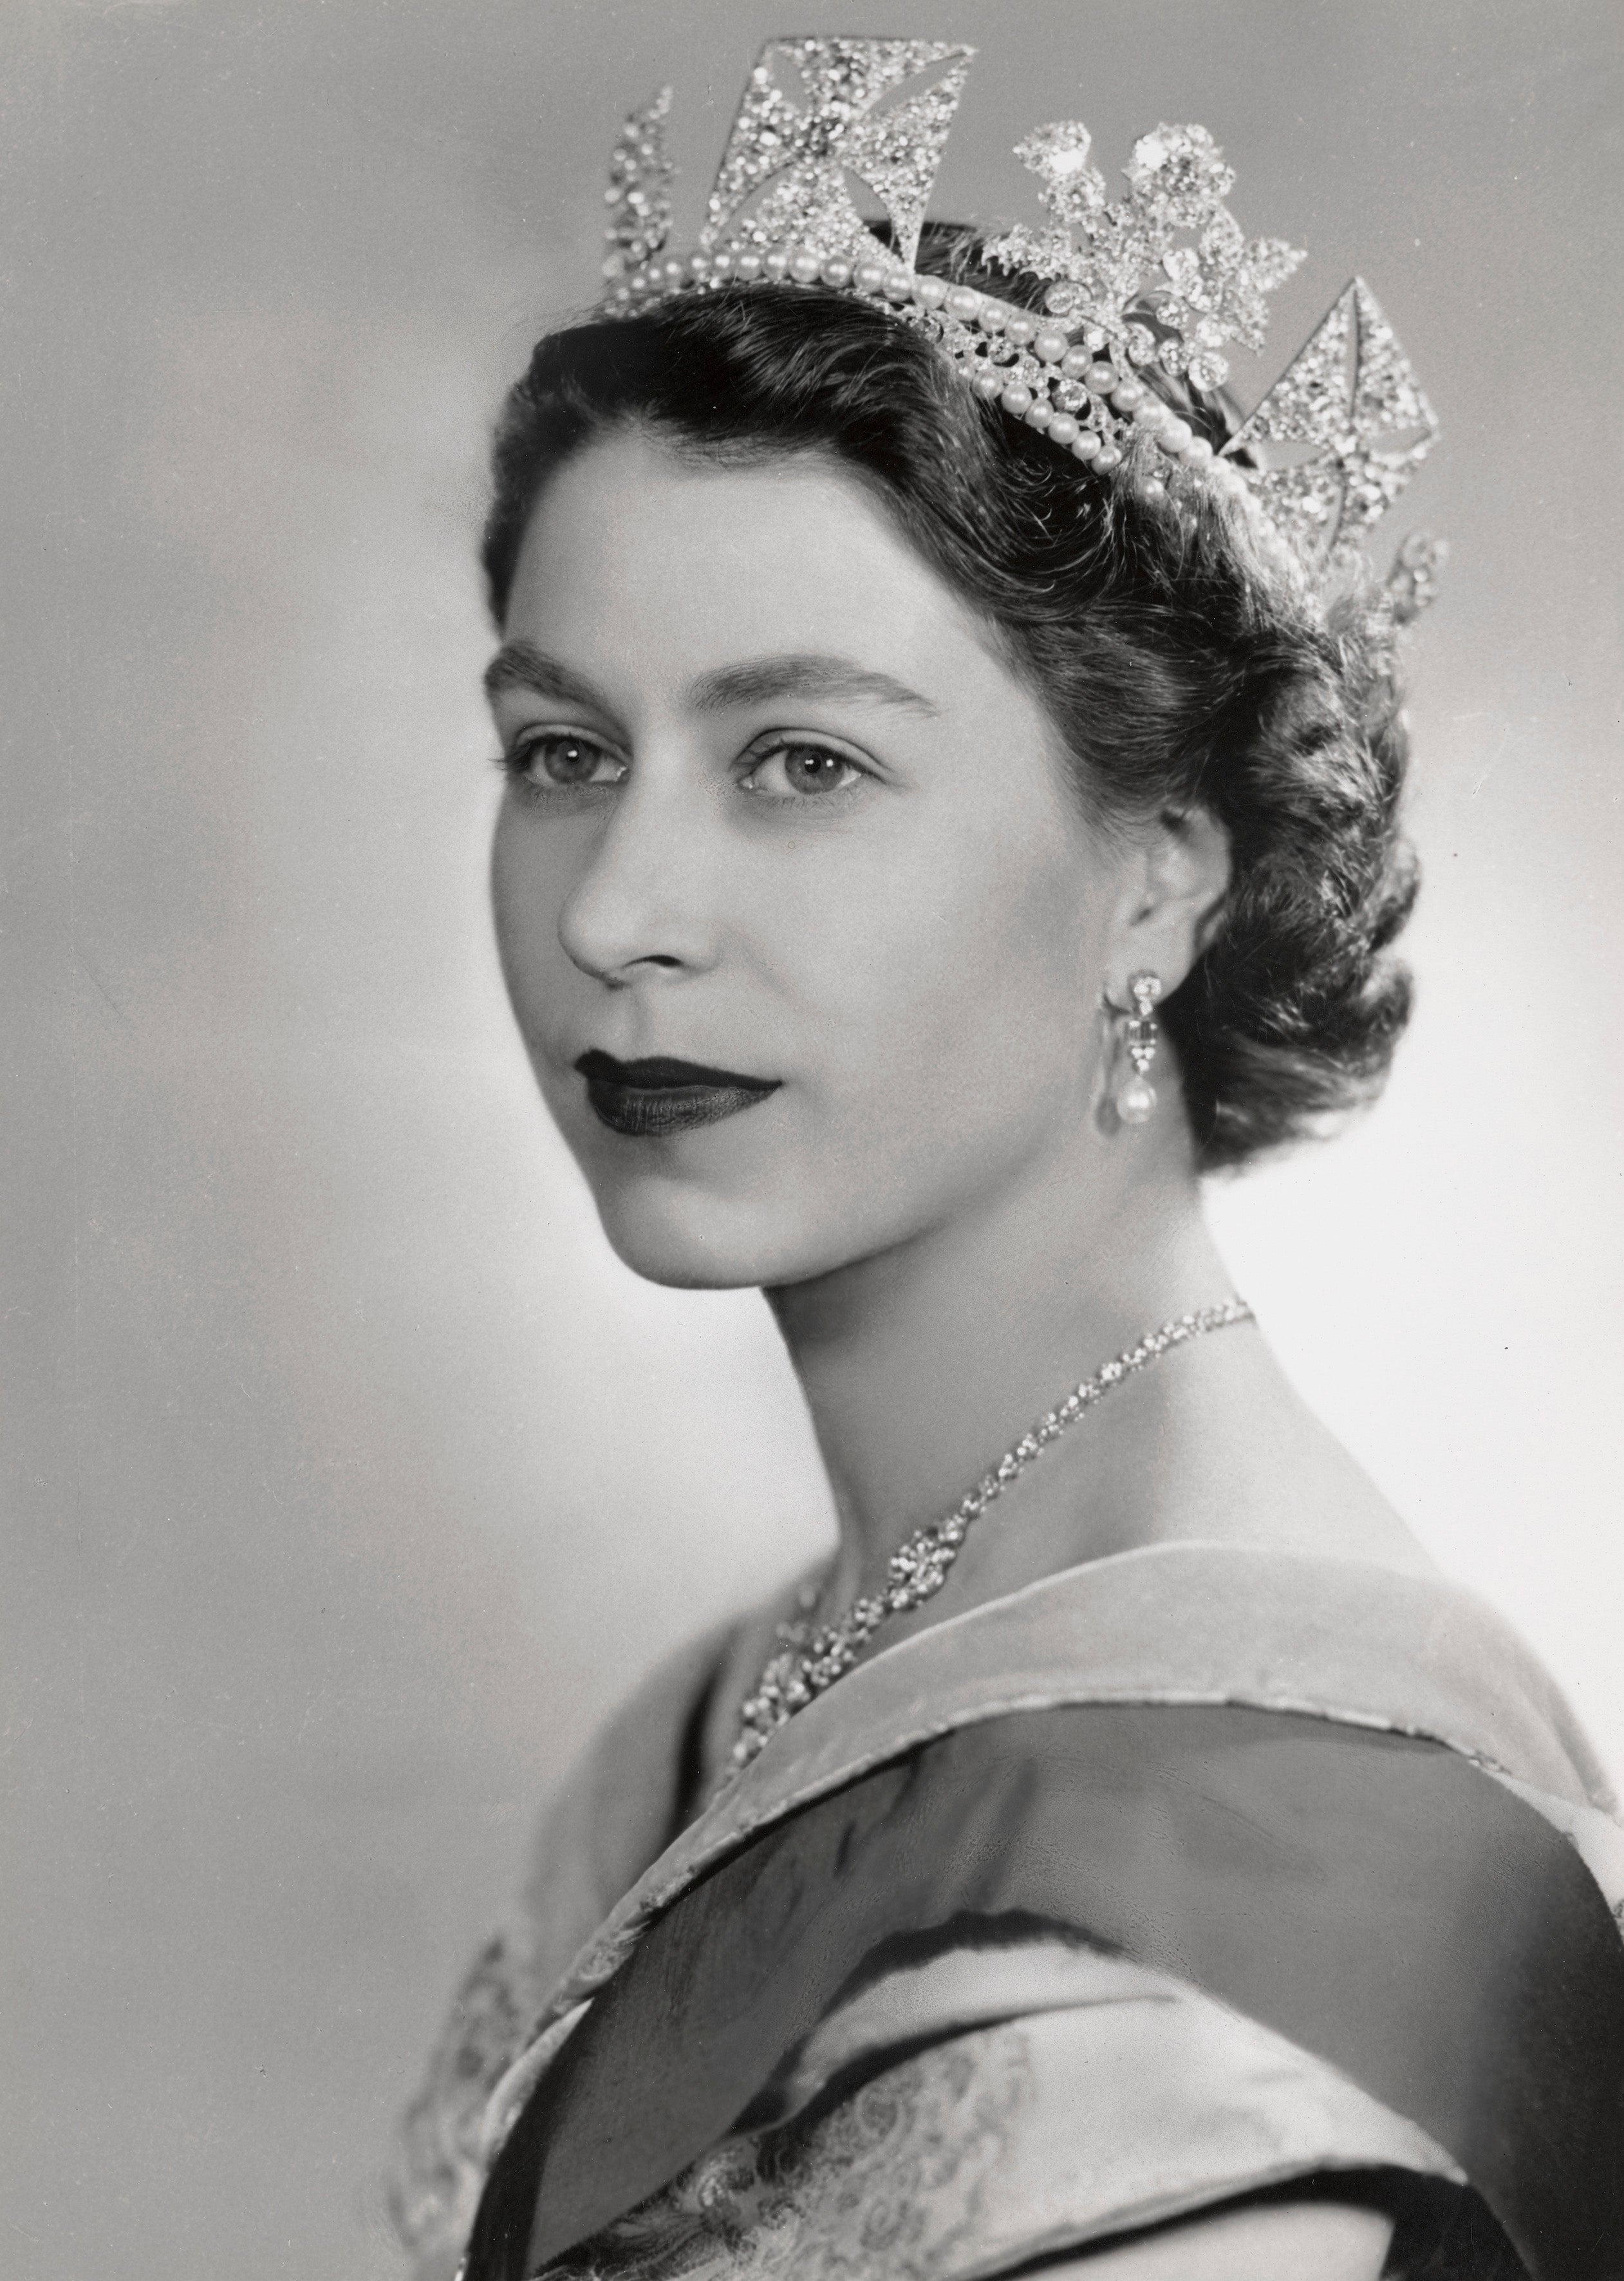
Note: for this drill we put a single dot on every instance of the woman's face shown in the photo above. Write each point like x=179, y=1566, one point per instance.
x=777, y=812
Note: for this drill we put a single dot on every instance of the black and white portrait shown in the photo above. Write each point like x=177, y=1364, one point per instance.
x=815, y=1217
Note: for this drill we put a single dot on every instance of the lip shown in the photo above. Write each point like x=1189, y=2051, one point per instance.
x=659, y=1095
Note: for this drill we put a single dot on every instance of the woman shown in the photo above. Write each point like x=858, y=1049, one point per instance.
x=932, y=845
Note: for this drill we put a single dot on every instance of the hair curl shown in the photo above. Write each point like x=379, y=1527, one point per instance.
x=1180, y=660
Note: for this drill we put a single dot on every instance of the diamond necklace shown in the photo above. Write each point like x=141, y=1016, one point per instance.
x=807, y=1660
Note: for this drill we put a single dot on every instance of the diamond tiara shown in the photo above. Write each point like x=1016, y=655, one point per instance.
x=1161, y=280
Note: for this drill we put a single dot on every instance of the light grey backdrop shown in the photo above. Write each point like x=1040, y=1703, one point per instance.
x=349, y=1479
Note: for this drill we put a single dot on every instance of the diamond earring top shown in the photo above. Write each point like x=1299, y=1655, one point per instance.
x=1160, y=280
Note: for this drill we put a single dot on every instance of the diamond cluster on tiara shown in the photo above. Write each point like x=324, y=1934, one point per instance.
x=792, y=158
x=1171, y=249
x=1161, y=280
x=1351, y=398
x=639, y=193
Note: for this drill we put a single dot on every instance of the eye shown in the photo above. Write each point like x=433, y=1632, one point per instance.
x=563, y=760
x=799, y=771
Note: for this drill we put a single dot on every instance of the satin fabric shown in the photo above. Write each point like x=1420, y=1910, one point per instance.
x=1349, y=1654
x=1373, y=1899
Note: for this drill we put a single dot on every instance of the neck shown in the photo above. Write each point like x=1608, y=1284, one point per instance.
x=921, y=1364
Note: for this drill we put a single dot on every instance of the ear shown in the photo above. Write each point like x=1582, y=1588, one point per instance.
x=1176, y=881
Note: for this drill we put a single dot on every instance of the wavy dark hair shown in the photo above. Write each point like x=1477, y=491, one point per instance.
x=1179, y=659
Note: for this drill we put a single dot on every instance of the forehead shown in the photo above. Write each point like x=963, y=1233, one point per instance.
x=640, y=566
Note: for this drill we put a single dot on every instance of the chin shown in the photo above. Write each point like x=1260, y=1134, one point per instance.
x=676, y=1241
x=716, y=1209
x=692, y=1240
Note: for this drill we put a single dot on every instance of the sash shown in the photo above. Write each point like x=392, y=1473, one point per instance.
x=1373, y=1898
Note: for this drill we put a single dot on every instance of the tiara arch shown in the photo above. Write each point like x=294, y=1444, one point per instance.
x=1159, y=279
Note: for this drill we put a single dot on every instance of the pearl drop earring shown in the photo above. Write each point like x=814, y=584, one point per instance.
x=1136, y=1095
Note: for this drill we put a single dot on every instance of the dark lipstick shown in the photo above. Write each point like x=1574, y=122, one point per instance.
x=648, y=1098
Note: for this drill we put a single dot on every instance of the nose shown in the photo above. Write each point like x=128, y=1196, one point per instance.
x=643, y=908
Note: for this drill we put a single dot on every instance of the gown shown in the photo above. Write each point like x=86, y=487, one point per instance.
x=1194, y=1876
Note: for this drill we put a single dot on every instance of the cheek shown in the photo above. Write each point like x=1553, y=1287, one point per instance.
x=531, y=876
x=958, y=991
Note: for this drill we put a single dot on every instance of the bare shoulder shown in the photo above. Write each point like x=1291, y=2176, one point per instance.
x=1243, y=1458
x=1286, y=2243
x=1216, y=1447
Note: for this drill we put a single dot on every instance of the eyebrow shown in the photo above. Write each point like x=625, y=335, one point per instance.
x=761, y=680
x=520, y=665
x=755, y=681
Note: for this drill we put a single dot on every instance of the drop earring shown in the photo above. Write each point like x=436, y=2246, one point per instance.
x=1135, y=1096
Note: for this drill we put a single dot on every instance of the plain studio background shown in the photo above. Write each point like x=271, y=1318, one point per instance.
x=351, y=1478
